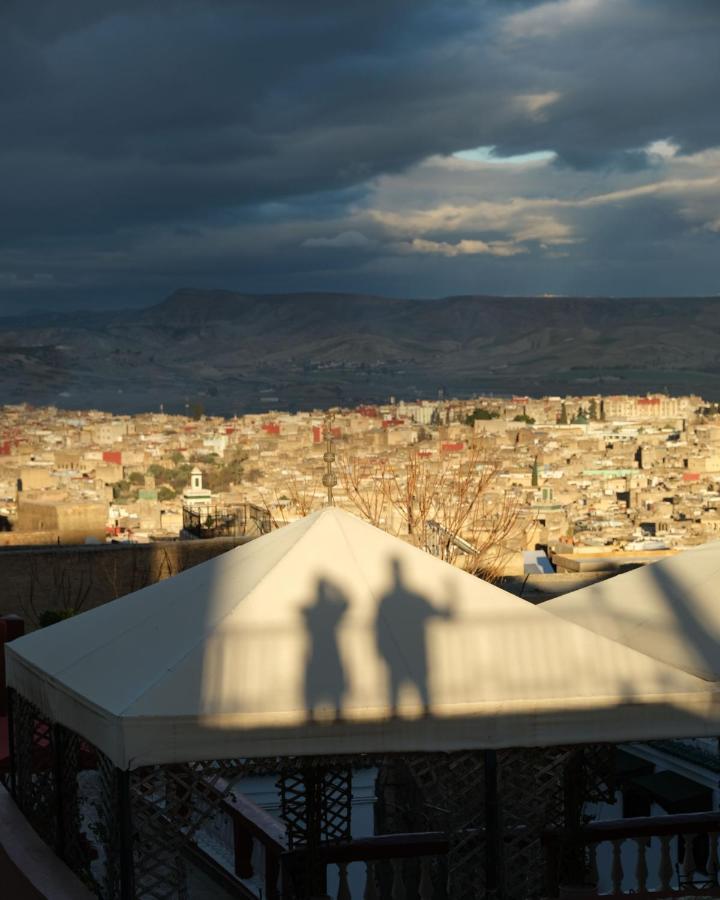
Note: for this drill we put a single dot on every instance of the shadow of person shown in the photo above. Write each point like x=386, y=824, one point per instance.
x=324, y=673
x=401, y=633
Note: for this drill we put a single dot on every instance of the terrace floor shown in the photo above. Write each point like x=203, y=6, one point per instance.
x=29, y=870
x=14, y=882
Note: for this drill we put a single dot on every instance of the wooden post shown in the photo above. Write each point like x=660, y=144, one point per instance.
x=57, y=764
x=127, y=871
x=494, y=863
x=315, y=868
x=272, y=874
x=243, y=849
x=573, y=857
x=551, y=846
x=11, y=741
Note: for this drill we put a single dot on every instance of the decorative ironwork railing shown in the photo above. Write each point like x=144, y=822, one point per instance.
x=231, y=521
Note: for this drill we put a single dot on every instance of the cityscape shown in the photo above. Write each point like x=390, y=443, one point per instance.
x=584, y=483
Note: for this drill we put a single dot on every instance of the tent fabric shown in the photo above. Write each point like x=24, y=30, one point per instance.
x=669, y=610
x=330, y=636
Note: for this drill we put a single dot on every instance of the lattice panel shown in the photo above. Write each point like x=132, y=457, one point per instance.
x=316, y=804
x=73, y=843
x=454, y=789
x=169, y=805
x=34, y=768
x=540, y=789
x=105, y=833
x=336, y=805
x=533, y=795
x=599, y=773
x=532, y=798
x=408, y=799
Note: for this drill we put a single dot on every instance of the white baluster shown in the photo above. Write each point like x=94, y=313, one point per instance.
x=343, y=886
x=641, y=869
x=665, y=869
x=594, y=874
x=617, y=869
x=370, y=892
x=425, y=888
x=712, y=863
x=398, y=883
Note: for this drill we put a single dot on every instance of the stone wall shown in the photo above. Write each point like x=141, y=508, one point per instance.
x=34, y=580
x=73, y=522
x=28, y=538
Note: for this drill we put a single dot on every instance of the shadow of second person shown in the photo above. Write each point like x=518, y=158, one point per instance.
x=401, y=632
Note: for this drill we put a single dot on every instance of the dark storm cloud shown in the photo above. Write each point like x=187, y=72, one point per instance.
x=625, y=73
x=164, y=113
x=124, y=123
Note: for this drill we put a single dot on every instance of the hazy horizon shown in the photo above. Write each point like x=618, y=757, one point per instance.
x=74, y=310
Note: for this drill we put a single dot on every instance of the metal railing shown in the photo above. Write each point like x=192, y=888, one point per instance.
x=231, y=521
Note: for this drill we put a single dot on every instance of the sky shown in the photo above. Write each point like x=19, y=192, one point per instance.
x=413, y=148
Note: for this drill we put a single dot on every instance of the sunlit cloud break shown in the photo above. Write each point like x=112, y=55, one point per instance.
x=488, y=155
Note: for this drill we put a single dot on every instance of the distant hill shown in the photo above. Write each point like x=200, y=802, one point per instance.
x=233, y=352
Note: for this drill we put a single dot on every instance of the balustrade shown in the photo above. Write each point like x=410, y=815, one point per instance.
x=659, y=857
x=400, y=887
x=385, y=874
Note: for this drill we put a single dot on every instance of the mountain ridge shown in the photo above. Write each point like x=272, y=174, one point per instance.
x=230, y=350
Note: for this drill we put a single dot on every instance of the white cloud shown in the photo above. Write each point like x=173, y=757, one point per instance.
x=537, y=105
x=465, y=248
x=523, y=221
x=547, y=230
x=663, y=149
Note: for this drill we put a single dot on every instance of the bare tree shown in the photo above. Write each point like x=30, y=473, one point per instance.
x=364, y=483
x=449, y=506
x=125, y=570
x=299, y=497
x=59, y=585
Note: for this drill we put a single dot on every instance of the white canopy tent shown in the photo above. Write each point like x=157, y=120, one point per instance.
x=669, y=610
x=329, y=636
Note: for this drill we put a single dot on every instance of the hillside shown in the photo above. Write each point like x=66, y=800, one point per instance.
x=234, y=352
